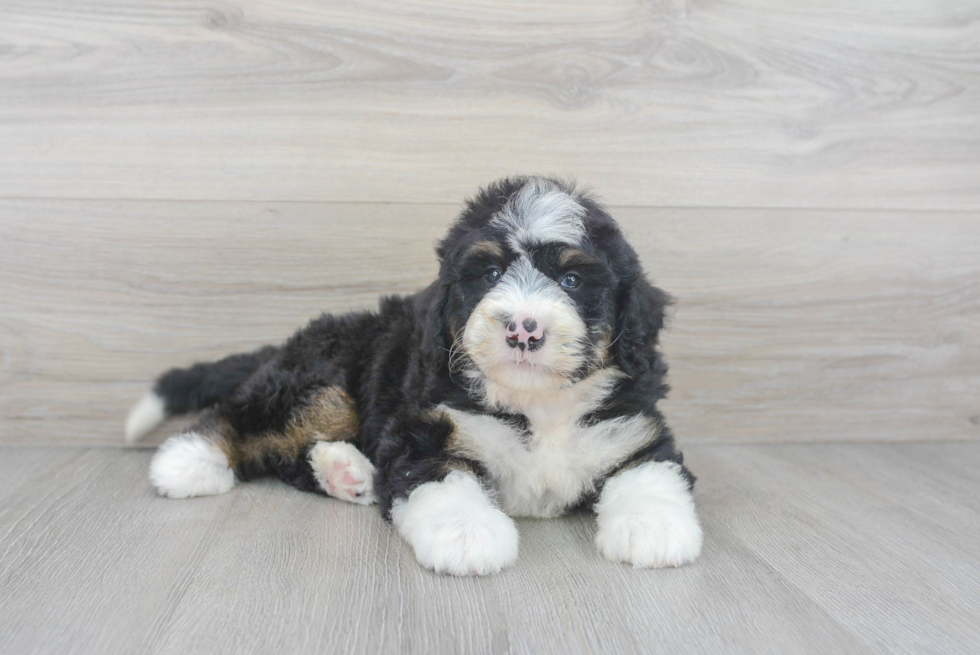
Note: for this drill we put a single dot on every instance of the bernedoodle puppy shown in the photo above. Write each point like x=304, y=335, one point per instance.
x=523, y=382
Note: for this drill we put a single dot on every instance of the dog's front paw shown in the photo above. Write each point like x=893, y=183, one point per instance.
x=476, y=543
x=653, y=538
x=646, y=517
x=454, y=528
x=342, y=471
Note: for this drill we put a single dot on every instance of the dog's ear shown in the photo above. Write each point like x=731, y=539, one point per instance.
x=642, y=312
x=430, y=321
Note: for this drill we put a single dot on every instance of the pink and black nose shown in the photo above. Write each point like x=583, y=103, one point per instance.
x=524, y=332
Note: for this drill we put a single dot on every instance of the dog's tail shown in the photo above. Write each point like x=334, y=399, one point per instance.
x=183, y=390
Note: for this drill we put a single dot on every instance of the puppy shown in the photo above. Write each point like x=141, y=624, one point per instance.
x=523, y=382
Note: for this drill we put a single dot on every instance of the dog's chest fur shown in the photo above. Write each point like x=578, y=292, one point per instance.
x=545, y=469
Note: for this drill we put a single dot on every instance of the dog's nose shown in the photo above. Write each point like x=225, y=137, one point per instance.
x=524, y=332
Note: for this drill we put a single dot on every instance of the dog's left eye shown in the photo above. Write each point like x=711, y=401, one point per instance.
x=571, y=281
x=493, y=275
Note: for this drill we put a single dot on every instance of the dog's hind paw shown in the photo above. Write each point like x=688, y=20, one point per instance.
x=191, y=464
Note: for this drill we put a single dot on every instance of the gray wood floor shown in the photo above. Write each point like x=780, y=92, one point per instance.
x=808, y=548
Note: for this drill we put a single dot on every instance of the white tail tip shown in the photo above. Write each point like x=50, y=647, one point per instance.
x=148, y=413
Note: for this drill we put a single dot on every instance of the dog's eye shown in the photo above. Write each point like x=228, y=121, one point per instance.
x=493, y=275
x=571, y=281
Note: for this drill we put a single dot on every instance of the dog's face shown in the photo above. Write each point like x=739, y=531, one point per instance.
x=539, y=286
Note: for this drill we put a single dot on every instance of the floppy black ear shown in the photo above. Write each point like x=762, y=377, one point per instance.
x=432, y=328
x=641, y=317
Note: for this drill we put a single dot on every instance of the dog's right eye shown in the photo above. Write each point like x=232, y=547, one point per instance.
x=493, y=275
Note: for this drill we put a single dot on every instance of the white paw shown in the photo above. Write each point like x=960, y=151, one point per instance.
x=454, y=528
x=343, y=471
x=191, y=464
x=646, y=517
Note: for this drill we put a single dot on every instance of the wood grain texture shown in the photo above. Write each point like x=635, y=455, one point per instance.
x=868, y=545
x=843, y=548
x=789, y=325
x=90, y=561
x=22, y=467
x=702, y=103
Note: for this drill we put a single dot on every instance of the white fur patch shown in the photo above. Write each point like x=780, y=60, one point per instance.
x=541, y=213
x=343, y=471
x=544, y=472
x=190, y=464
x=525, y=290
x=646, y=517
x=454, y=527
x=148, y=413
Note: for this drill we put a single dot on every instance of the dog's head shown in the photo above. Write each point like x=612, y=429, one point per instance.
x=540, y=289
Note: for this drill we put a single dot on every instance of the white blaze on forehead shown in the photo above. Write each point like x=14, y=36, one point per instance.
x=541, y=213
x=525, y=287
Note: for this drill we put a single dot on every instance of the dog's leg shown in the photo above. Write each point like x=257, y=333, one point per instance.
x=209, y=458
x=646, y=517
x=455, y=528
x=302, y=436
x=437, y=501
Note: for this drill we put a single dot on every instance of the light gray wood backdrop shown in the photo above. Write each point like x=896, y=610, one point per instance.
x=741, y=103
x=181, y=180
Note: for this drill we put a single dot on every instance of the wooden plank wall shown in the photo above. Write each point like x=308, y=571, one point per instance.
x=181, y=180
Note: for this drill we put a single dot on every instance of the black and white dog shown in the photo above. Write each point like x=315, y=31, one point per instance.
x=522, y=382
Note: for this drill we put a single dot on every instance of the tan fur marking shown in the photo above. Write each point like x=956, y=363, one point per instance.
x=603, y=343
x=486, y=247
x=574, y=256
x=330, y=416
x=223, y=435
x=454, y=445
x=434, y=414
